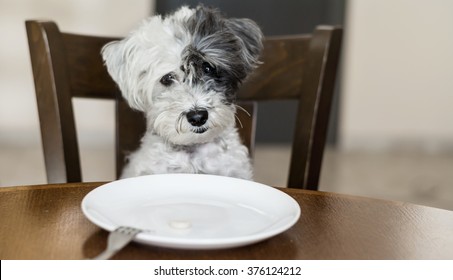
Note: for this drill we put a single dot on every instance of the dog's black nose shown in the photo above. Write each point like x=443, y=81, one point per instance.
x=197, y=117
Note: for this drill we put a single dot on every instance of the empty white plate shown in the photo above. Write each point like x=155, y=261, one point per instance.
x=192, y=211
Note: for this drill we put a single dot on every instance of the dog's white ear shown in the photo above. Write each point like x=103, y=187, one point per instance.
x=251, y=37
x=113, y=59
x=117, y=56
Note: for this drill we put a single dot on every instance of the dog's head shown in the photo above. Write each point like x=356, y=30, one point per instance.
x=183, y=71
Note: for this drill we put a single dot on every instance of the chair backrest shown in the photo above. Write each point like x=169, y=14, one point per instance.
x=68, y=65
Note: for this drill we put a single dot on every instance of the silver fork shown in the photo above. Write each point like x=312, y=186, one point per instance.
x=116, y=241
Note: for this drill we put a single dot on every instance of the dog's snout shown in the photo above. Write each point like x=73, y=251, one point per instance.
x=197, y=117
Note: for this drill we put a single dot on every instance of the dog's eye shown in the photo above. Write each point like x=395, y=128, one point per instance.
x=207, y=68
x=167, y=79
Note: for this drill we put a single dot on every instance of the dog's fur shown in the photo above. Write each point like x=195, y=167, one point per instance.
x=180, y=70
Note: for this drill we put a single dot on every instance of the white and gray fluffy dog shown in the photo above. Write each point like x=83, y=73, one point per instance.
x=183, y=71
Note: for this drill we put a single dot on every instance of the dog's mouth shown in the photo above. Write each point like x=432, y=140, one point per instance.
x=199, y=130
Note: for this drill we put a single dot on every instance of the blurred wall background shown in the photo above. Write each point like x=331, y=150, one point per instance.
x=397, y=86
x=396, y=82
x=19, y=124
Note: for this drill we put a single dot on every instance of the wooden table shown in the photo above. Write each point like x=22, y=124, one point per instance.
x=46, y=222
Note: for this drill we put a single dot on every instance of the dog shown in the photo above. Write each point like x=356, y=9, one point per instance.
x=183, y=71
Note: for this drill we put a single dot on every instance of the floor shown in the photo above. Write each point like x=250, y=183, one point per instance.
x=425, y=179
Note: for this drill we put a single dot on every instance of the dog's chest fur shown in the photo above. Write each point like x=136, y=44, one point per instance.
x=224, y=156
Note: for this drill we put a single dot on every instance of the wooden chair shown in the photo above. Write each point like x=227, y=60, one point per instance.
x=68, y=65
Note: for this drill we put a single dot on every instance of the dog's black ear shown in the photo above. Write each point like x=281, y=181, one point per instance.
x=251, y=37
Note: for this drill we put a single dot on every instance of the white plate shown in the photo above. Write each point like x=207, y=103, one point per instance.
x=192, y=211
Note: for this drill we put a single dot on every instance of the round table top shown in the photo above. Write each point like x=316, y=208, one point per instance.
x=46, y=222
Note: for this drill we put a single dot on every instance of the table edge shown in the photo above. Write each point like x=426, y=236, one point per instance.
x=290, y=191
